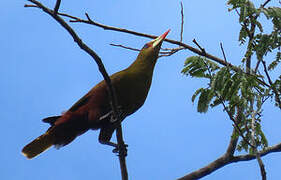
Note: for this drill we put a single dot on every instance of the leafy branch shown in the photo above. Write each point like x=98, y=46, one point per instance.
x=240, y=91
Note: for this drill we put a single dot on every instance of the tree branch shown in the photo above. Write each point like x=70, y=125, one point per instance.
x=253, y=135
x=218, y=163
x=234, y=140
x=57, y=6
x=125, y=47
x=102, y=69
x=225, y=160
x=277, y=95
x=182, y=22
x=105, y=27
x=185, y=46
x=223, y=53
x=265, y=3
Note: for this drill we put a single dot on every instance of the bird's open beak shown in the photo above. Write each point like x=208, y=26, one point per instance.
x=159, y=39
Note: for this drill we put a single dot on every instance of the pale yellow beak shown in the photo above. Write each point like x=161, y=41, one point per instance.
x=159, y=39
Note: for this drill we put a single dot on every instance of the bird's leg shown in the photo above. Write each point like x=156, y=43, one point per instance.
x=108, y=143
x=121, y=149
x=118, y=148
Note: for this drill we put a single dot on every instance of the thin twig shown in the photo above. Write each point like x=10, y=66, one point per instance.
x=197, y=44
x=169, y=53
x=125, y=47
x=57, y=6
x=277, y=95
x=257, y=66
x=265, y=3
x=224, y=57
x=111, y=92
x=30, y=5
x=165, y=53
x=182, y=22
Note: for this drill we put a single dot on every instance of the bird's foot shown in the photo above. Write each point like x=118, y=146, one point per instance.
x=121, y=149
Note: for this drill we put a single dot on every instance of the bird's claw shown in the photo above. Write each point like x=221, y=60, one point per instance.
x=121, y=149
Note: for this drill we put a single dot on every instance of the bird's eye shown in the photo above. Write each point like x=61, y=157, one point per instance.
x=145, y=46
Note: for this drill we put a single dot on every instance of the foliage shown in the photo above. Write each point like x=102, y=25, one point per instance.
x=233, y=90
x=239, y=91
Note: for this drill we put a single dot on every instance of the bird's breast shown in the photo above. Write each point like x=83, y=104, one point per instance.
x=132, y=92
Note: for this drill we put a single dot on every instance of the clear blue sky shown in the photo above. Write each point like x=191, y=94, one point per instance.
x=43, y=73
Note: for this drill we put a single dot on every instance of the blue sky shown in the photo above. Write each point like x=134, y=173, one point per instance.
x=43, y=72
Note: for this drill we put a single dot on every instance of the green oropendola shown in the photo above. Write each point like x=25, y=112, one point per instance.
x=93, y=111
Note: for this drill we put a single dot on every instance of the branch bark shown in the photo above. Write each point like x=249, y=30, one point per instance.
x=227, y=159
x=88, y=50
x=181, y=44
x=253, y=136
x=57, y=6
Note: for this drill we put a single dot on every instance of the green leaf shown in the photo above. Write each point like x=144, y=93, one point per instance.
x=204, y=100
x=219, y=79
x=226, y=89
x=198, y=91
x=242, y=35
x=273, y=13
x=259, y=26
x=196, y=66
x=274, y=63
x=235, y=86
x=216, y=102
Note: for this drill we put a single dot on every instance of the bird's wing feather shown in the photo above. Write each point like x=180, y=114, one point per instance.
x=80, y=102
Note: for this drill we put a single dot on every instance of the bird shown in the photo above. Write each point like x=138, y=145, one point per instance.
x=93, y=111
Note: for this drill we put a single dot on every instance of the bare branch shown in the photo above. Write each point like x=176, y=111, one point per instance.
x=213, y=166
x=265, y=3
x=225, y=160
x=261, y=165
x=253, y=134
x=182, y=22
x=257, y=66
x=30, y=5
x=165, y=53
x=105, y=27
x=196, y=51
x=234, y=140
x=171, y=52
x=112, y=95
x=125, y=47
x=224, y=57
x=57, y=6
x=268, y=150
x=196, y=43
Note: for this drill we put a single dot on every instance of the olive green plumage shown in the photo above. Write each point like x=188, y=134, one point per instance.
x=93, y=111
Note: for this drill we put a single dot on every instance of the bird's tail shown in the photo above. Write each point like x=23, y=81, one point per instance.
x=38, y=145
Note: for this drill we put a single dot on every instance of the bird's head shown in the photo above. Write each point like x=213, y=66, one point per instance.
x=151, y=49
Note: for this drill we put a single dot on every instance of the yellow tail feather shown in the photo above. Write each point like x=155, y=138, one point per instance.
x=38, y=145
